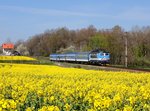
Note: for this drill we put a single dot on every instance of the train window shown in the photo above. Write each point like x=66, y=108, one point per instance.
x=93, y=55
x=102, y=54
x=106, y=54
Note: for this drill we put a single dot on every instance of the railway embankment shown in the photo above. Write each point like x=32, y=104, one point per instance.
x=98, y=67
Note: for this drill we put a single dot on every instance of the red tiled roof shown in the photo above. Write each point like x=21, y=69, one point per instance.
x=8, y=46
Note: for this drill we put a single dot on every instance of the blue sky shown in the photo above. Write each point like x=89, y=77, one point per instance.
x=21, y=19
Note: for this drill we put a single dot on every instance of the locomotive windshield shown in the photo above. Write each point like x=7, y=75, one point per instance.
x=106, y=54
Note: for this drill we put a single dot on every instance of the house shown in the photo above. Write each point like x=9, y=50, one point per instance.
x=7, y=48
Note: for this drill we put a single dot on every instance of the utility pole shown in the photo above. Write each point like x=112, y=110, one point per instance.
x=126, y=49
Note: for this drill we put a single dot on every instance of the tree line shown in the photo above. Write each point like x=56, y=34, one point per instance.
x=63, y=40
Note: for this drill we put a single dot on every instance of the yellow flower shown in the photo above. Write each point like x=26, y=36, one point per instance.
x=13, y=104
x=40, y=92
x=23, y=85
x=51, y=98
x=29, y=109
x=117, y=98
x=147, y=106
x=1, y=109
x=1, y=102
x=50, y=108
x=91, y=110
x=127, y=108
x=132, y=100
x=4, y=105
x=44, y=108
x=67, y=107
x=16, y=58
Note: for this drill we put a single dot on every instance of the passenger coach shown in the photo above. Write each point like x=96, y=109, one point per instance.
x=93, y=57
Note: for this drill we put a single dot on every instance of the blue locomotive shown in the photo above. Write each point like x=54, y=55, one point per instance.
x=92, y=57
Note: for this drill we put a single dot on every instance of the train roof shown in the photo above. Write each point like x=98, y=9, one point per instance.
x=93, y=51
x=98, y=51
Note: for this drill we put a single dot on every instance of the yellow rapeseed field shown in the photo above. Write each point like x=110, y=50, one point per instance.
x=15, y=58
x=52, y=88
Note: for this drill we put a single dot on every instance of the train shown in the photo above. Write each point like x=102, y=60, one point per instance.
x=92, y=57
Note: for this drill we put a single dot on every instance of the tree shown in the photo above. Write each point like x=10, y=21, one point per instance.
x=22, y=49
x=1, y=50
x=98, y=41
x=116, y=45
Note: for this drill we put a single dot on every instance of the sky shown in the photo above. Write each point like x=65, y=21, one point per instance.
x=21, y=19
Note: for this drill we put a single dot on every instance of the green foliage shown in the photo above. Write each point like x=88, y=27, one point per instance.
x=139, y=51
x=98, y=41
x=141, y=61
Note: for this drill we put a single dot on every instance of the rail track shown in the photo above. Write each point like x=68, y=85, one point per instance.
x=97, y=67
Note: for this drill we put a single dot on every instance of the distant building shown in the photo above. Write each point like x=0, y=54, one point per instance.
x=7, y=48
